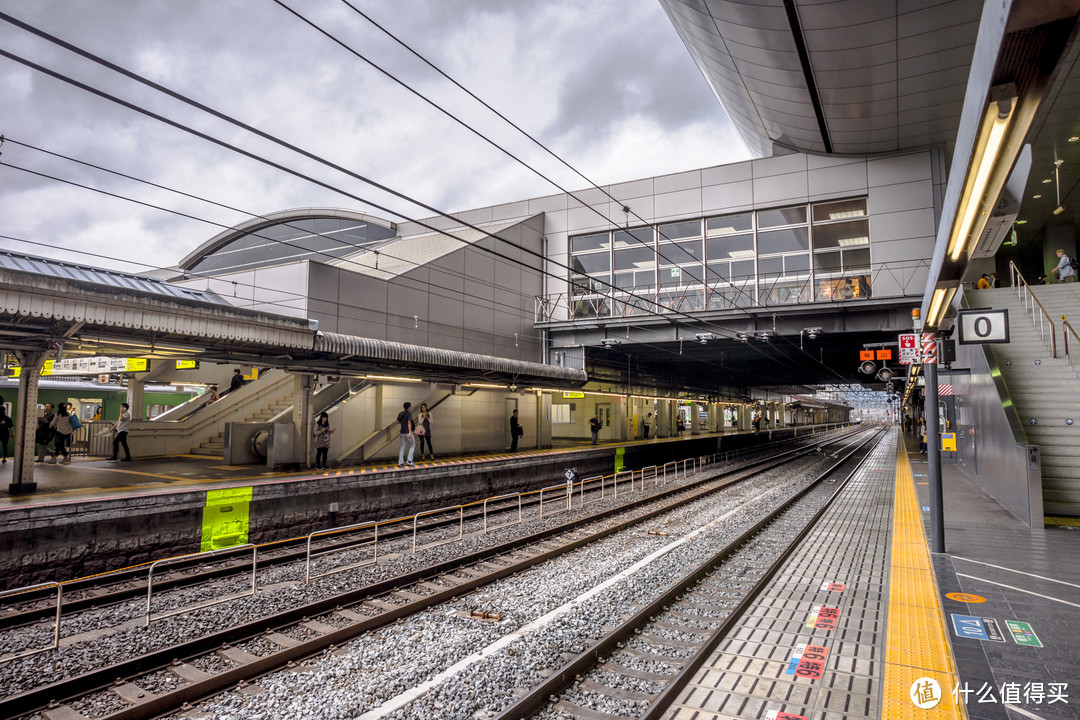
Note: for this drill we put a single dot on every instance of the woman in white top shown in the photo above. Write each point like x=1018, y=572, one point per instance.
x=122, y=432
x=61, y=423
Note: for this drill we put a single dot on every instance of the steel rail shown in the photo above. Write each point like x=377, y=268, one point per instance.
x=132, y=582
x=42, y=697
x=537, y=697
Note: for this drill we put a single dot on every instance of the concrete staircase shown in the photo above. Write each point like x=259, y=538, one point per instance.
x=215, y=446
x=1044, y=389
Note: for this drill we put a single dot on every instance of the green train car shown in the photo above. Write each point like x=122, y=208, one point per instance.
x=87, y=397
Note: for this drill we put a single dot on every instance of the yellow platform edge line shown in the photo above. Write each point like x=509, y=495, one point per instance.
x=917, y=638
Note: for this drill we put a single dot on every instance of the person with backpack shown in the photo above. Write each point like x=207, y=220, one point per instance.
x=594, y=426
x=64, y=424
x=405, y=422
x=1066, y=268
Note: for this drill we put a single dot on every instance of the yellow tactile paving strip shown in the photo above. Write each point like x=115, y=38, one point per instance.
x=917, y=639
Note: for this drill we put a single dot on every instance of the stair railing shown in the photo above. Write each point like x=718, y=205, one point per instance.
x=1040, y=319
x=1066, y=330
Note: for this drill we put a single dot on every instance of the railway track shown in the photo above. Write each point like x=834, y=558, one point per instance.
x=696, y=613
x=235, y=656
x=101, y=591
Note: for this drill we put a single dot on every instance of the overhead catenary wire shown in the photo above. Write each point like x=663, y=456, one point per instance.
x=262, y=134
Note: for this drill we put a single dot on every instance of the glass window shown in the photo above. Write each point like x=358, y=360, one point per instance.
x=718, y=270
x=782, y=216
x=843, y=210
x=679, y=253
x=631, y=258
x=778, y=241
x=770, y=266
x=591, y=264
x=589, y=242
x=640, y=281
x=635, y=238
x=843, y=234
x=857, y=259
x=742, y=269
x=734, y=246
x=677, y=231
x=796, y=264
x=729, y=225
x=827, y=261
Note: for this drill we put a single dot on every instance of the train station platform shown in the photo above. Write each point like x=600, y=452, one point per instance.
x=93, y=516
x=864, y=622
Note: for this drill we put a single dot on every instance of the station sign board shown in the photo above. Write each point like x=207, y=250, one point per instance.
x=977, y=327
x=187, y=364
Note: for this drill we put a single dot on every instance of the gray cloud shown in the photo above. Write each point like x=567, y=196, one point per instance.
x=591, y=80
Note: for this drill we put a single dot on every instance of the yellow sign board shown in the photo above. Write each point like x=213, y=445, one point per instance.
x=46, y=369
x=572, y=395
x=187, y=364
x=948, y=442
x=136, y=364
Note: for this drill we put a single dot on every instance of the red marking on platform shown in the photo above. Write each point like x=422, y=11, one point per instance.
x=827, y=618
x=812, y=663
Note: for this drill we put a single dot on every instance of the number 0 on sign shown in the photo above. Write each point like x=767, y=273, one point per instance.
x=977, y=327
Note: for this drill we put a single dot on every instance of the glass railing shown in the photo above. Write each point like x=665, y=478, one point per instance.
x=898, y=279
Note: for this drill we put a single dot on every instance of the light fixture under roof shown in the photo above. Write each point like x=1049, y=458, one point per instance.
x=1058, y=210
x=1047, y=180
x=1036, y=197
x=1074, y=138
x=1021, y=222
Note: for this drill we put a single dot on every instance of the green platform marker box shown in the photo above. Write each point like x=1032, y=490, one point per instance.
x=1022, y=634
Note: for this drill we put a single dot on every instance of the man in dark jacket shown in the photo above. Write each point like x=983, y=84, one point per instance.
x=237, y=380
x=44, y=433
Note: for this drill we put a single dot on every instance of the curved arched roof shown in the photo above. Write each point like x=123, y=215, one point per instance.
x=291, y=218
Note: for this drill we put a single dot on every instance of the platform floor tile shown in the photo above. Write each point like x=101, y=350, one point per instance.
x=750, y=673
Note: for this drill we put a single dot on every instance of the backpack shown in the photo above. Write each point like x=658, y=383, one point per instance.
x=1075, y=265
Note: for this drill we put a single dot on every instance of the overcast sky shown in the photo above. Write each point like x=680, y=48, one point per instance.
x=607, y=85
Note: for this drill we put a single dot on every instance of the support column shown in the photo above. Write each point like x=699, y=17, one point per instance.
x=22, y=468
x=933, y=460
x=303, y=453
x=543, y=419
x=618, y=421
x=135, y=398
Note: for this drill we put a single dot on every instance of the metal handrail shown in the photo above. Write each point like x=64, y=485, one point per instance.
x=209, y=603
x=564, y=494
x=1066, y=328
x=505, y=524
x=56, y=623
x=1022, y=289
x=416, y=520
x=623, y=475
x=308, y=577
x=675, y=470
x=581, y=495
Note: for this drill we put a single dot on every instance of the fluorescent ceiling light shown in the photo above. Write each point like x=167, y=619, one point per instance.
x=850, y=242
x=843, y=215
x=991, y=137
x=741, y=253
x=392, y=378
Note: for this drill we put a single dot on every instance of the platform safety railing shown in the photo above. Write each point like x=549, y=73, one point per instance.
x=621, y=476
x=1039, y=317
x=460, y=509
x=673, y=467
x=583, y=483
x=520, y=515
x=56, y=620
x=374, y=542
x=199, y=606
x=561, y=495
x=646, y=473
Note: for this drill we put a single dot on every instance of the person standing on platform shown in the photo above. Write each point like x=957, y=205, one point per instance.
x=44, y=434
x=757, y=422
x=922, y=436
x=516, y=431
x=1064, y=269
x=405, y=420
x=5, y=429
x=645, y=425
x=423, y=431
x=121, y=429
x=594, y=426
x=62, y=427
x=322, y=432
x=237, y=380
